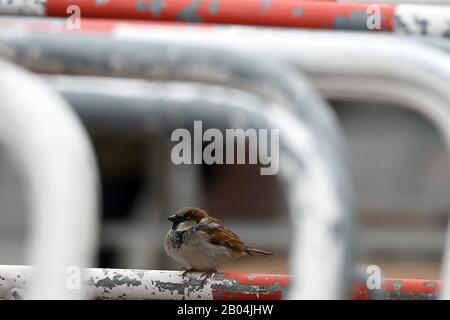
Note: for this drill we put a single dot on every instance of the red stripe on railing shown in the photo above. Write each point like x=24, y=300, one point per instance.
x=400, y=289
x=242, y=286
x=280, y=13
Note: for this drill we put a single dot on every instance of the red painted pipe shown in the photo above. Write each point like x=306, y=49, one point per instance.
x=280, y=13
x=276, y=285
x=400, y=289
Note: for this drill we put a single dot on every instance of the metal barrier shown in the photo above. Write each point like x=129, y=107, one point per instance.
x=400, y=18
x=135, y=105
x=48, y=144
x=281, y=13
x=142, y=101
x=382, y=68
x=321, y=258
x=159, y=284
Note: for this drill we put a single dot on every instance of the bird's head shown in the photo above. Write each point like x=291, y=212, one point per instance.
x=186, y=218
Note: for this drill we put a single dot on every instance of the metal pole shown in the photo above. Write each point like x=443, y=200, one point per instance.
x=402, y=18
x=279, y=13
x=129, y=284
x=50, y=147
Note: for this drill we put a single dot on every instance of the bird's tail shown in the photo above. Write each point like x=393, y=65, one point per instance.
x=251, y=251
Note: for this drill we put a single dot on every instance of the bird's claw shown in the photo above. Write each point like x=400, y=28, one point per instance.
x=206, y=275
x=186, y=271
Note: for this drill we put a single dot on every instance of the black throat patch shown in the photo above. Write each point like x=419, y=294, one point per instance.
x=177, y=238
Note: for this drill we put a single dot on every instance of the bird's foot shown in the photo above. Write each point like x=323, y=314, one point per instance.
x=186, y=271
x=208, y=274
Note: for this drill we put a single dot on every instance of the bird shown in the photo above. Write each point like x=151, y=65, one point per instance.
x=202, y=243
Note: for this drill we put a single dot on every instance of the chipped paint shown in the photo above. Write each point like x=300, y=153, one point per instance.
x=297, y=12
x=401, y=289
x=117, y=280
x=239, y=288
x=156, y=7
x=398, y=284
x=422, y=20
x=293, y=14
x=214, y=7
x=101, y=2
x=21, y=7
x=157, y=284
x=189, y=14
x=266, y=4
x=430, y=284
x=356, y=21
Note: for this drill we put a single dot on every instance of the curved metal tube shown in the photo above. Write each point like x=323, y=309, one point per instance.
x=396, y=71
x=49, y=145
x=380, y=68
x=309, y=176
x=383, y=68
x=321, y=246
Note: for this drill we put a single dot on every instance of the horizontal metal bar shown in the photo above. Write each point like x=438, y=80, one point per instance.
x=399, y=289
x=404, y=18
x=280, y=13
x=129, y=284
x=421, y=2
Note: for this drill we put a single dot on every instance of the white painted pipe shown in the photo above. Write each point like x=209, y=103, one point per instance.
x=129, y=284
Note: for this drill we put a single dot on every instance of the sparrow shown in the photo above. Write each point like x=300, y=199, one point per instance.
x=202, y=243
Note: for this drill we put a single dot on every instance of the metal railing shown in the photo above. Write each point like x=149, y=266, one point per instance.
x=169, y=106
x=377, y=68
x=160, y=284
x=403, y=18
x=142, y=102
x=321, y=246
x=380, y=68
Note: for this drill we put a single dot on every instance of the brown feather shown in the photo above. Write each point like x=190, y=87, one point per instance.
x=220, y=235
x=195, y=214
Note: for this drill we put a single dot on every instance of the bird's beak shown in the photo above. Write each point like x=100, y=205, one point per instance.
x=172, y=218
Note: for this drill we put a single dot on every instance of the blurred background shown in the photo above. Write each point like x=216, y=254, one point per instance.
x=398, y=162
x=397, y=159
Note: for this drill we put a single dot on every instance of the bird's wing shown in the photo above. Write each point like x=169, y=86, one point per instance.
x=219, y=235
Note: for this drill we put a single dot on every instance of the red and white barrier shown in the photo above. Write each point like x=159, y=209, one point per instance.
x=155, y=284
x=398, y=18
